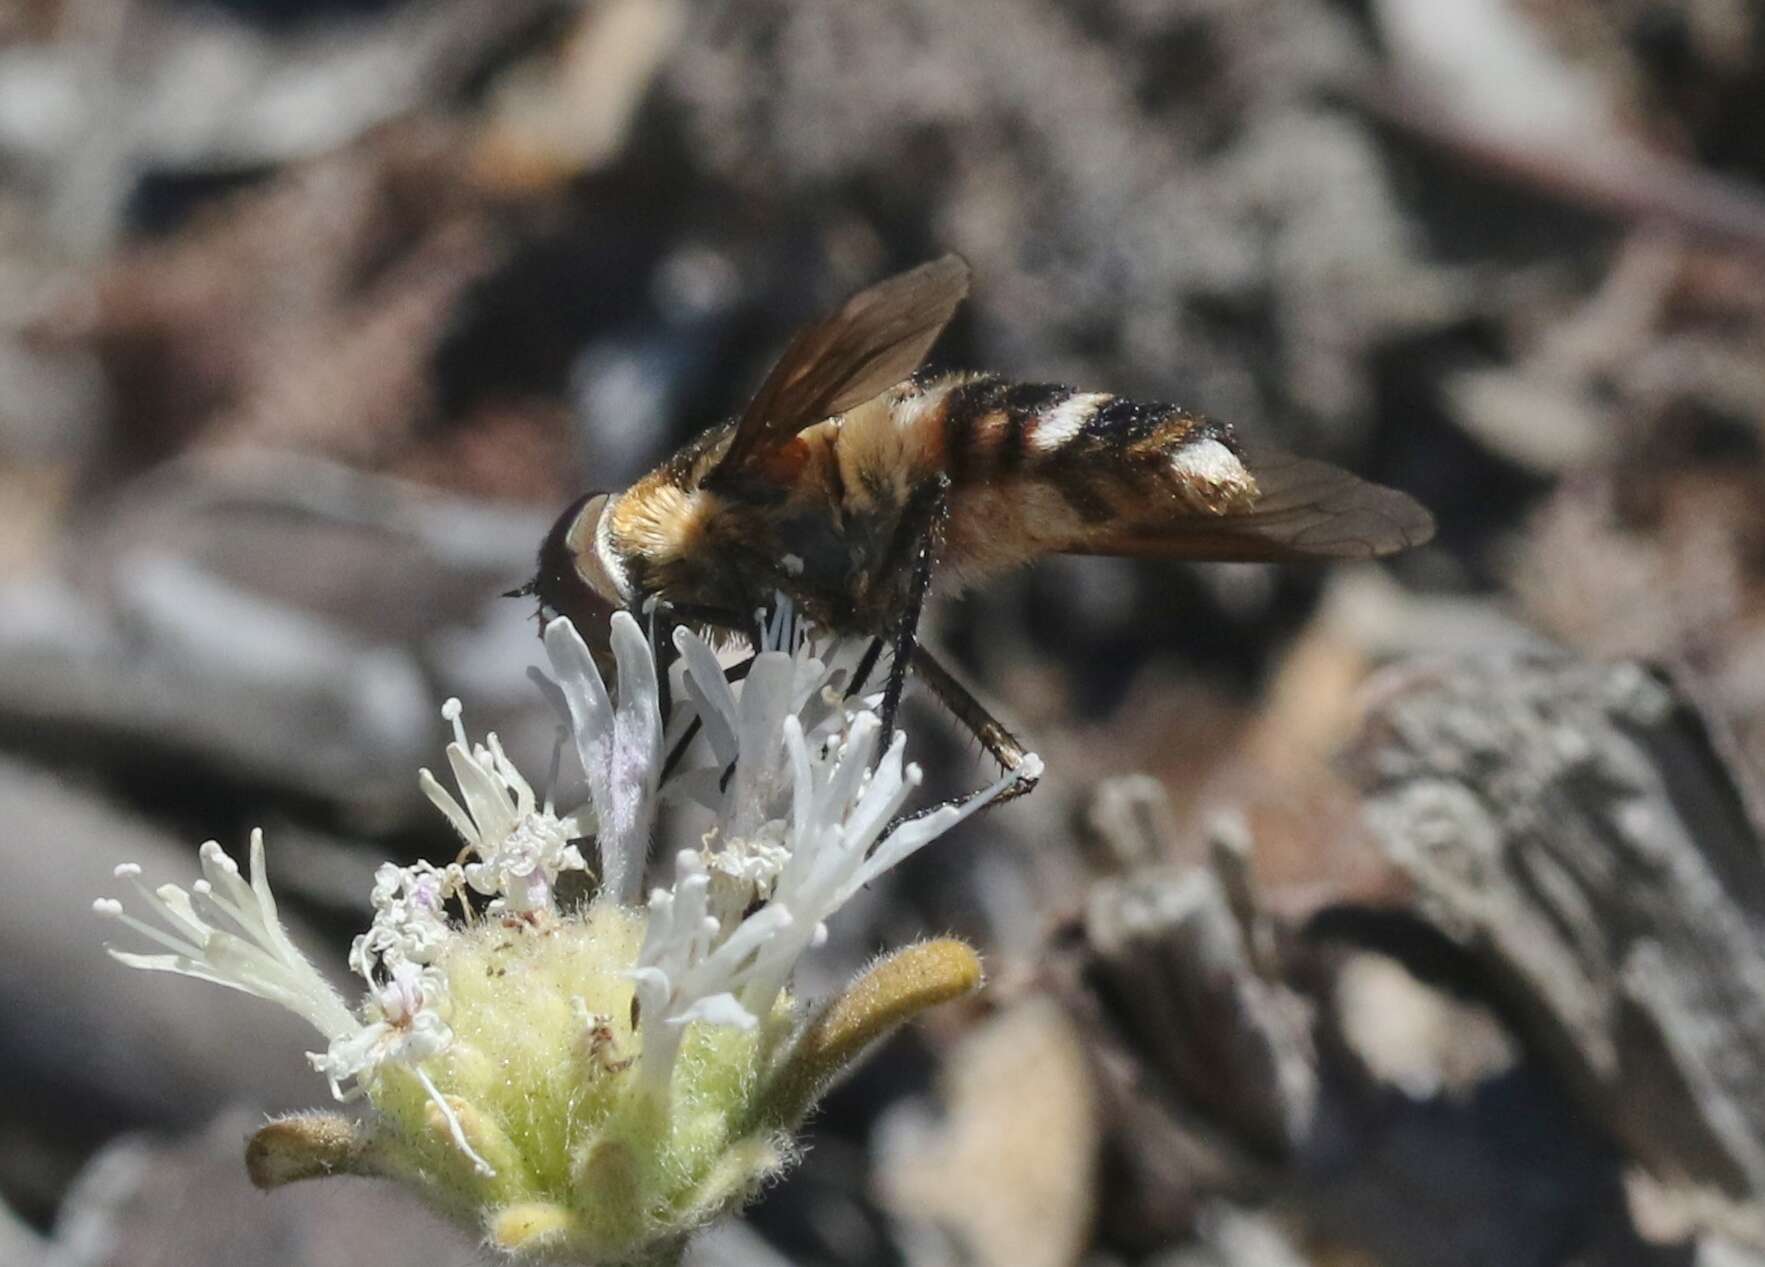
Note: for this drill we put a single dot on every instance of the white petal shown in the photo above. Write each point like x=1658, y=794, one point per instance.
x=443, y=800
x=888, y=790
x=266, y=901
x=487, y=800
x=626, y=805
x=585, y=694
x=650, y=982
x=841, y=790
x=702, y=786
x=802, y=778
x=765, y=702
x=710, y=689
x=717, y=1009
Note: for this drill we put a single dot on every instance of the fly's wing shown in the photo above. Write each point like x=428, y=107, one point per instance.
x=1305, y=510
x=872, y=343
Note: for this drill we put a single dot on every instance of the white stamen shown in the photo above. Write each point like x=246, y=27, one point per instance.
x=453, y=1124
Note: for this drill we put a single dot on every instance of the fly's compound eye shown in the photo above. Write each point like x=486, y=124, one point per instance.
x=573, y=580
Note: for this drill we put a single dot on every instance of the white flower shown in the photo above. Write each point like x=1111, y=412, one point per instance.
x=226, y=931
x=844, y=834
x=802, y=821
x=686, y=969
x=407, y=1028
x=620, y=748
x=521, y=847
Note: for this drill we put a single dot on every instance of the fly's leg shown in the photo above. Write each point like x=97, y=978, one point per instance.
x=735, y=673
x=665, y=618
x=999, y=742
x=922, y=532
x=678, y=753
x=662, y=622
x=866, y=666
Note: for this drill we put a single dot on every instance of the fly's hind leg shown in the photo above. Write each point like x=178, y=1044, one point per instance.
x=1023, y=767
x=999, y=742
x=922, y=533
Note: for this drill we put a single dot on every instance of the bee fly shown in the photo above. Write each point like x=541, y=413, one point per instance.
x=851, y=480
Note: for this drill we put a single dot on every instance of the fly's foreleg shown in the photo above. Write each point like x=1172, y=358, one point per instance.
x=664, y=619
x=735, y=673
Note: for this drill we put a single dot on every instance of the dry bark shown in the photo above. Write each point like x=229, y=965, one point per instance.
x=1575, y=828
x=1573, y=993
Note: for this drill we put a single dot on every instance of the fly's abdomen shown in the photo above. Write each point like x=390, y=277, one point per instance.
x=1103, y=455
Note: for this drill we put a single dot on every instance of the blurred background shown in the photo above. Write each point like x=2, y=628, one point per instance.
x=1403, y=914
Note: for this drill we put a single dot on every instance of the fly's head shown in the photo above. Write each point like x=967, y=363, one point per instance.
x=580, y=576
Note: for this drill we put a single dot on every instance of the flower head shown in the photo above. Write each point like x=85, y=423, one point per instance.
x=806, y=828
x=593, y=1083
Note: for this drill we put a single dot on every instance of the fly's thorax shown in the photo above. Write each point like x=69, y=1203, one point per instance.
x=882, y=451
x=663, y=533
x=692, y=546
